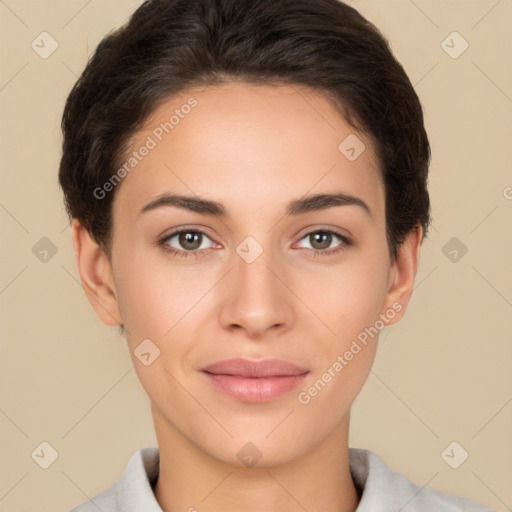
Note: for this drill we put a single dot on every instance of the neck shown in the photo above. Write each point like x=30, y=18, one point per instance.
x=192, y=480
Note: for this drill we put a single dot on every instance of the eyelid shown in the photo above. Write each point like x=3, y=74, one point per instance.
x=346, y=240
x=169, y=233
x=313, y=228
x=184, y=229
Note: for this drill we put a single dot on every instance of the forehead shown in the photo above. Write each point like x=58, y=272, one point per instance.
x=248, y=145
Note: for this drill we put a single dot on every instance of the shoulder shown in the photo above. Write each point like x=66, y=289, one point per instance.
x=383, y=489
x=133, y=490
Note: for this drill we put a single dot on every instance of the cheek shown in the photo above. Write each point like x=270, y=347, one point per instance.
x=350, y=305
x=348, y=301
x=154, y=298
x=349, y=298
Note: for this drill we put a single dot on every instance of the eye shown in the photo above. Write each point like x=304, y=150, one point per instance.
x=189, y=242
x=322, y=239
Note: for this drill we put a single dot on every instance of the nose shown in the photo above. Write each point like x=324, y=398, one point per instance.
x=257, y=297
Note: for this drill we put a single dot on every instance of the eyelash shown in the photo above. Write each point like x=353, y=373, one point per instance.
x=316, y=252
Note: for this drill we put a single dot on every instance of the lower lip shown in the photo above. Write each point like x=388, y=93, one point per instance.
x=258, y=389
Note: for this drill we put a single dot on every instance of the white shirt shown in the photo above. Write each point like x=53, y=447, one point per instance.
x=382, y=490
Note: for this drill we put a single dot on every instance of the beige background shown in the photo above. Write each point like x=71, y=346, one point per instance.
x=441, y=375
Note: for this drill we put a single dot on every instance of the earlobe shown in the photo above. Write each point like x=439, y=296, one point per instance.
x=95, y=275
x=403, y=274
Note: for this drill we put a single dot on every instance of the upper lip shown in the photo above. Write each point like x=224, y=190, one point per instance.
x=262, y=368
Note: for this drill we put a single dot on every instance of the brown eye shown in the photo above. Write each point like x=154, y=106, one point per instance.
x=187, y=242
x=320, y=240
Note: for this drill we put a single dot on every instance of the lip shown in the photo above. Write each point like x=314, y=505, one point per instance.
x=255, y=381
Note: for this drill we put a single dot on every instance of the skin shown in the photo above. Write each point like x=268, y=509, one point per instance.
x=254, y=149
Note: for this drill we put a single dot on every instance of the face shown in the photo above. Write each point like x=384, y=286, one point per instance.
x=263, y=271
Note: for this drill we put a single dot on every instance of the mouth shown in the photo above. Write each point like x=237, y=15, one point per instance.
x=255, y=381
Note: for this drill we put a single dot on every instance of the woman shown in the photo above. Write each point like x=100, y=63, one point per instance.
x=247, y=183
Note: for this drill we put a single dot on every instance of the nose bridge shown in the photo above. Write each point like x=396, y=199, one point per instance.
x=257, y=298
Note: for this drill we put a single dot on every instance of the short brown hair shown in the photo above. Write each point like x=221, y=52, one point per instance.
x=168, y=46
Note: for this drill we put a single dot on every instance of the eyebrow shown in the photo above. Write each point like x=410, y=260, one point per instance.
x=312, y=203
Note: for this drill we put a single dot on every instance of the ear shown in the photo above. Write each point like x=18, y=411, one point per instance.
x=403, y=274
x=96, y=275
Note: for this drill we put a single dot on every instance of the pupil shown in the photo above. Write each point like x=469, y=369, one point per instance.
x=327, y=236
x=188, y=238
